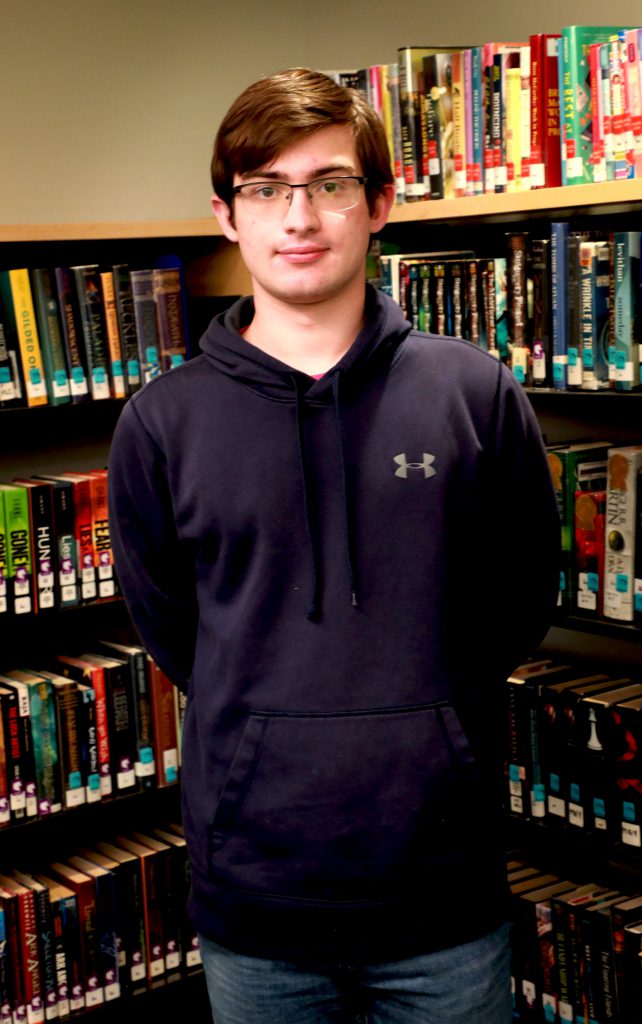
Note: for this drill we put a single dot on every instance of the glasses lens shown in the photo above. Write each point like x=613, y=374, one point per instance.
x=334, y=193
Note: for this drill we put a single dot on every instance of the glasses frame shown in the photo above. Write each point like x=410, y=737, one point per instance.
x=238, y=190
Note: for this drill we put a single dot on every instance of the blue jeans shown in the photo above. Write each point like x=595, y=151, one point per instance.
x=469, y=984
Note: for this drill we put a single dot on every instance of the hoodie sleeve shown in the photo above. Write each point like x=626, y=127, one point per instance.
x=155, y=573
x=524, y=548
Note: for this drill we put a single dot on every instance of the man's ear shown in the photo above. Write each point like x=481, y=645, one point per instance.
x=223, y=215
x=381, y=208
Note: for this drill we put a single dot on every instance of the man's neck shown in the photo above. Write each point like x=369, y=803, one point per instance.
x=311, y=337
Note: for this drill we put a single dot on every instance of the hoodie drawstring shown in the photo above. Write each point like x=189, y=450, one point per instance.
x=313, y=607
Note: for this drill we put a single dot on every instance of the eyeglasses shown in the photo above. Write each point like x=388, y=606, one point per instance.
x=327, y=194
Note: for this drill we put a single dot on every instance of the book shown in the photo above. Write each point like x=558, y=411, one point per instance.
x=129, y=893
x=626, y=353
x=589, y=547
x=72, y=334
x=69, y=727
x=545, y=151
x=20, y=594
x=4, y=561
x=168, y=296
x=62, y=903
x=5, y=777
x=16, y=292
x=28, y=952
x=540, y=277
x=573, y=311
x=135, y=658
x=90, y=743
x=12, y=389
x=120, y=715
x=66, y=550
x=438, y=79
x=15, y=978
x=82, y=671
x=575, y=467
x=623, y=467
x=164, y=725
x=623, y=914
x=14, y=756
x=477, y=116
x=92, y=319
x=116, y=367
x=625, y=761
x=44, y=553
x=153, y=899
x=634, y=94
x=105, y=923
x=165, y=867
x=54, y=355
x=564, y=909
x=100, y=534
x=83, y=523
x=559, y=303
x=623, y=163
x=127, y=326
x=44, y=738
x=459, y=121
x=26, y=788
x=142, y=284
x=180, y=885
x=45, y=932
x=576, y=101
x=84, y=888
x=517, y=248
x=594, y=262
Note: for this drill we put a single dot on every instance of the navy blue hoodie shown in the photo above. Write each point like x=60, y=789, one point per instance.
x=340, y=573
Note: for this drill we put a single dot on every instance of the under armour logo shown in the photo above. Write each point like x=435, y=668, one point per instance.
x=404, y=465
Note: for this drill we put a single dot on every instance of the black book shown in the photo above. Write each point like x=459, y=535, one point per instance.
x=44, y=545
x=94, y=331
x=72, y=333
x=127, y=327
x=122, y=724
x=136, y=660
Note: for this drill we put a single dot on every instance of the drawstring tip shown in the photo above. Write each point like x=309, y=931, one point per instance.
x=355, y=602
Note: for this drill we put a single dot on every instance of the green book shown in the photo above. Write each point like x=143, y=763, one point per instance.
x=18, y=532
x=51, y=340
x=576, y=112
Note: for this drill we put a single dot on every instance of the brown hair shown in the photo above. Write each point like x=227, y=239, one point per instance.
x=277, y=110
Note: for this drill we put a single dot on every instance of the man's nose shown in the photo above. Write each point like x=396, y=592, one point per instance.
x=300, y=212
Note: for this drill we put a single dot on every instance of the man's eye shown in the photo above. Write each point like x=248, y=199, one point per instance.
x=264, y=192
x=330, y=187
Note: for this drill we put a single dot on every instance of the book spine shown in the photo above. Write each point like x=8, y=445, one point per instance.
x=116, y=368
x=12, y=392
x=433, y=131
x=459, y=123
x=69, y=726
x=559, y=299
x=607, y=111
x=44, y=929
x=537, y=174
x=90, y=304
x=540, y=272
x=146, y=324
x=72, y=336
x=5, y=774
x=468, y=118
x=410, y=108
x=84, y=540
x=517, y=306
x=477, y=122
x=513, y=101
x=573, y=310
x=53, y=350
x=525, y=98
x=101, y=538
x=6, y=1016
x=621, y=120
x=590, y=521
x=623, y=465
x=576, y=106
x=634, y=86
x=45, y=745
x=498, y=116
x=89, y=743
x=64, y=532
x=127, y=326
x=60, y=963
x=4, y=561
x=164, y=725
x=487, y=94
x=30, y=958
x=16, y=507
x=598, y=154
x=627, y=289
x=397, y=150
x=166, y=285
x=30, y=351
x=552, y=140
x=45, y=560
x=594, y=265
x=637, y=570
x=122, y=731
x=474, y=303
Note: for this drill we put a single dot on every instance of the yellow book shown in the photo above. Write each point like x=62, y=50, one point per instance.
x=513, y=130
x=30, y=354
x=113, y=335
x=459, y=122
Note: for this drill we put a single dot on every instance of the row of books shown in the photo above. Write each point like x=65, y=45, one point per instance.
x=562, y=311
x=72, y=334
x=107, y=920
x=576, y=949
x=55, y=546
x=506, y=117
x=599, y=495
x=574, y=751
x=85, y=727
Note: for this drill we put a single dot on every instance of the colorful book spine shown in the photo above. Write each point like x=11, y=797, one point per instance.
x=72, y=335
x=127, y=326
x=477, y=88
x=513, y=108
x=621, y=517
x=634, y=95
x=54, y=356
x=468, y=118
x=627, y=295
x=525, y=96
x=517, y=243
x=559, y=299
x=146, y=324
x=90, y=305
x=20, y=565
x=116, y=368
x=621, y=119
x=540, y=275
x=27, y=330
x=594, y=270
x=433, y=129
x=459, y=122
x=166, y=283
x=411, y=104
x=11, y=380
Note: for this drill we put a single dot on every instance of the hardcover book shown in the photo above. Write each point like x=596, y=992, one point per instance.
x=624, y=465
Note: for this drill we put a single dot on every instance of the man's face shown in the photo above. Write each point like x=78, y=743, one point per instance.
x=295, y=253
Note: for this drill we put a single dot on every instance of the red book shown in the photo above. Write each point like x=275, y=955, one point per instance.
x=28, y=945
x=164, y=725
x=546, y=157
x=84, y=672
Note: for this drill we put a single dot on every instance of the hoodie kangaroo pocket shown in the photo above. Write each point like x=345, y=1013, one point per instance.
x=349, y=806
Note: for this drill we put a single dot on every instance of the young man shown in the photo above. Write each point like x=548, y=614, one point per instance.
x=339, y=536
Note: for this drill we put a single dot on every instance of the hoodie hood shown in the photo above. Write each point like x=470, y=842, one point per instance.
x=369, y=356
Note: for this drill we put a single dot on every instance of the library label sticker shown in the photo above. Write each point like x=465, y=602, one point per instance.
x=631, y=834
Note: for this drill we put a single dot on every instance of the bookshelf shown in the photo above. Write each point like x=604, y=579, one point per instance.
x=70, y=437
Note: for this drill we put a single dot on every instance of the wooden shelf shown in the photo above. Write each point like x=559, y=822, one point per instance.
x=202, y=227
x=612, y=195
